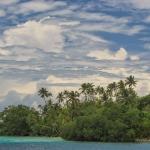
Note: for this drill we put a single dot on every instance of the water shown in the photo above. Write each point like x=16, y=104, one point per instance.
x=30, y=143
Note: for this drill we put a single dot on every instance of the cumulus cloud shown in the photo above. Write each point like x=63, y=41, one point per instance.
x=4, y=52
x=15, y=98
x=121, y=54
x=17, y=86
x=25, y=88
x=33, y=34
x=106, y=54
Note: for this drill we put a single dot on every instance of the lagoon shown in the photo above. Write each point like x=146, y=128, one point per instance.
x=43, y=143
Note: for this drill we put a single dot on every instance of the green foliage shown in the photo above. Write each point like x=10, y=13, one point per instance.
x=109, y=123
x=94, y=113
x=18, y=120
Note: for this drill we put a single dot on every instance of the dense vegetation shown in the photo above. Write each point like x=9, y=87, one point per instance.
x=114, y=113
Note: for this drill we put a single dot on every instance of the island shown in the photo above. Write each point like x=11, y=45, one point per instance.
x=114, y=113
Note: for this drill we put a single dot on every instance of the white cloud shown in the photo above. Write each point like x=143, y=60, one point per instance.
x=70, y=23
x=143, y=86
x=138, y=4
x=120, y=71
x=62, y=13
x=96, y=79
x=94, y=38
x=78, y=80
x=106, y=54
x=111, y=27
x=8, y=2
x=121, y=54
x=37, y=6
x=14, y=85
x=107, y=23
x=141, y=4
x=31, y=99
x=33, y=6
x=2, y=13
x=25, y=88
x=103, y=17
x=134, y=57
x=143, y=78
x=33, y=34
x=4, y=52
x=18, y=53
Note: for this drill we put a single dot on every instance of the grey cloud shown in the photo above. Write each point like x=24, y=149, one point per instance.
x=14, y=98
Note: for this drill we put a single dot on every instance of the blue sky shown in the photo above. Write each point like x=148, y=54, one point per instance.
x=60, y=44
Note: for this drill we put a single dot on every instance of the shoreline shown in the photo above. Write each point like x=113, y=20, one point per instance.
x=44, y=138
x=143, y=140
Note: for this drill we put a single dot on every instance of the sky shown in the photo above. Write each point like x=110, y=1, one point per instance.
x=60, y=44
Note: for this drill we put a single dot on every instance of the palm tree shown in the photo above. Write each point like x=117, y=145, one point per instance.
x=88, y=90
x=83, y=90
x=130, y=81
x=73, y=97
x=73, y=102
x=43, y=93
x=111, y=89
x=105, y=97
x=121, y=85
x=60, y=97
x=121, y=90
x=91, y=91
x=99, y=90
x=66, y=92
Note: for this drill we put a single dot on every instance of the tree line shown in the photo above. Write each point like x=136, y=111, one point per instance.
x=114, y=113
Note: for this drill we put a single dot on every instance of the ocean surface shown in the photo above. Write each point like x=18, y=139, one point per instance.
x=35, y=143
